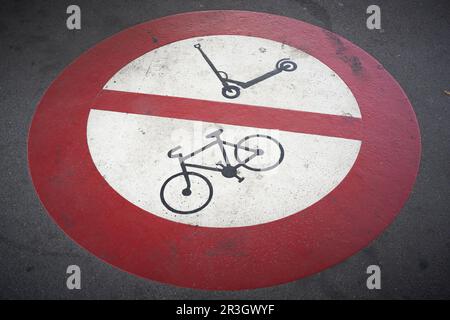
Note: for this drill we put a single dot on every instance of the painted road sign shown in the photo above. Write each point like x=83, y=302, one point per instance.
x=211, y=150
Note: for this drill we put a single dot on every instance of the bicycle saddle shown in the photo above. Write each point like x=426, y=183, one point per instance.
x=214, y=134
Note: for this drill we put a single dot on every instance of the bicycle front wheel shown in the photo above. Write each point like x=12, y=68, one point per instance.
x=176, y=197
x=269, y=152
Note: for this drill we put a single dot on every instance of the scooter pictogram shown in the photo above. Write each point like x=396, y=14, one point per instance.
x=232, y=88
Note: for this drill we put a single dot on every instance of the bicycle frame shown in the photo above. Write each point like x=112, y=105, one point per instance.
x=221, y=144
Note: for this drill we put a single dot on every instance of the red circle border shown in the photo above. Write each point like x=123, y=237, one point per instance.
x=107, y=225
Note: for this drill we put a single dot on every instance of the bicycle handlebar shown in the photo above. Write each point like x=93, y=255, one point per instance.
x=170, y=153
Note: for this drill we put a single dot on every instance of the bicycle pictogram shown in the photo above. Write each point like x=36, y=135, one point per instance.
x=232, y=88
x=177, y=189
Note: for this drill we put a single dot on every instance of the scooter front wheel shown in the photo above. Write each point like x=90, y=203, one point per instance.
x=231, y=92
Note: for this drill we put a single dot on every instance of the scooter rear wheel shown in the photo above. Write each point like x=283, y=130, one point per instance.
x=286, y=65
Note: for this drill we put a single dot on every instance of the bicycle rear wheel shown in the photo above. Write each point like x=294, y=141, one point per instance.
x=270, y=155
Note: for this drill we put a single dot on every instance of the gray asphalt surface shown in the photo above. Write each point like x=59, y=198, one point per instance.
x=413, y=45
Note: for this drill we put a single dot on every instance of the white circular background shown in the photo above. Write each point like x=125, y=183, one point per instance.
x=130, y=150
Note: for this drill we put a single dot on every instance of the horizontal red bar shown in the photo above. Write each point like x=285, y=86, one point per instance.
x=230, y=113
